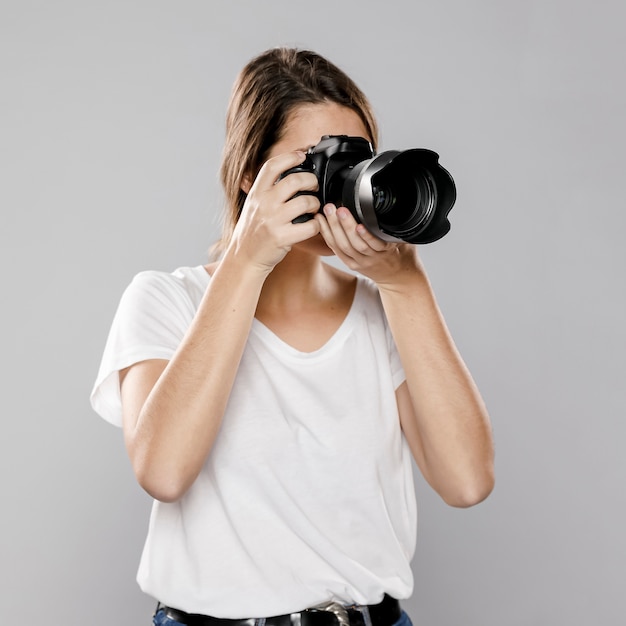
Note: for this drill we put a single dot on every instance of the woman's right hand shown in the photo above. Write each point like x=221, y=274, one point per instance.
x=265, y=233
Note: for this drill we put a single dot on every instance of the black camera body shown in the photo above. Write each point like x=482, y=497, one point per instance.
x=397, y=195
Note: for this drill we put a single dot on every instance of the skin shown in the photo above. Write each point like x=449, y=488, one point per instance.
x=273, y=269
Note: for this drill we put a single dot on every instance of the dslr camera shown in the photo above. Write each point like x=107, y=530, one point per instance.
x=397, y=195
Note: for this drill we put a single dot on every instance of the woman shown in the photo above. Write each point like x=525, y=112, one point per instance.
x=270, y=402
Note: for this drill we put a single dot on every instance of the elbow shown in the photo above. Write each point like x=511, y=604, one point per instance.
x=164, y=484
x=160, y=489
x=470, y=492
x=162, y=473
x=162, y=492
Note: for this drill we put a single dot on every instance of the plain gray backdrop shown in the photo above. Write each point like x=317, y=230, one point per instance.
x=111, y=131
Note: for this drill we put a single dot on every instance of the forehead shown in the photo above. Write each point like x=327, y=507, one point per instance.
x=307, y=124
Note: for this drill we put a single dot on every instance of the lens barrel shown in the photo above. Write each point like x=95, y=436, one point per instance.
x=401, y=196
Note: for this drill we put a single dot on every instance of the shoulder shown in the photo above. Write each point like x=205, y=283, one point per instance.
x=157, y=296
x=184, y=283
x=186, y=278
x=369, y=294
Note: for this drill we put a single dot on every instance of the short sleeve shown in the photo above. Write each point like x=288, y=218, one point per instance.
x=150, y=322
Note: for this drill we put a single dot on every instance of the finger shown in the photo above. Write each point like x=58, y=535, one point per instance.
x=295, y=183
x=274, y=167
x=358, y=236
x=335, y=238
x=375, y=243
x=301, y=205
x=342, y=224
x=326, y=232
x=303, y=231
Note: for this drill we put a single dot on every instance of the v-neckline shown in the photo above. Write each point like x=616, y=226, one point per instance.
x=272, y=339
x=336, y=339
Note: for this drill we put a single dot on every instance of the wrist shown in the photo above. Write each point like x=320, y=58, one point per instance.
x=238, y=259
x=241, y=270
x=408, y=276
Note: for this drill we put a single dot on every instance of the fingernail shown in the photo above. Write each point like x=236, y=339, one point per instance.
x=329, y=209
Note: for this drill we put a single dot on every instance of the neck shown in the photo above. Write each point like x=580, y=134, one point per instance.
x=299, y=280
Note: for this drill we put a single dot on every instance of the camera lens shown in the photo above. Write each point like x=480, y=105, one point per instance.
x=383, y=200
x=387, y=198
x=397, y=196
x=403, y=200
x=401, y=196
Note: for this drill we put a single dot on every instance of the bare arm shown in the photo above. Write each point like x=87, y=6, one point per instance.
x=442, y=414
x=172, y=411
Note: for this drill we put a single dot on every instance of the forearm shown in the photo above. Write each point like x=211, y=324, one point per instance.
x=181, y=416
x=448, y=427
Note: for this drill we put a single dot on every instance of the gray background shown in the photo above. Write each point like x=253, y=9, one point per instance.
x=111, y=130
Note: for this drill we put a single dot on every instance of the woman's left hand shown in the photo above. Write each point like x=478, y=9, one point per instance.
x=383, y=261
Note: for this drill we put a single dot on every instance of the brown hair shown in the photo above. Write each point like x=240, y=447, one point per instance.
x=266, y=91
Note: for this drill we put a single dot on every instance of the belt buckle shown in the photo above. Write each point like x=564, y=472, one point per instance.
x=338, y=610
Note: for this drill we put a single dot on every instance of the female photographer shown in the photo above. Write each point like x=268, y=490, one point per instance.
x=270, y=402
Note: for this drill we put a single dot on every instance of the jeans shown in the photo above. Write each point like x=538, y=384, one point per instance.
x=160, y=619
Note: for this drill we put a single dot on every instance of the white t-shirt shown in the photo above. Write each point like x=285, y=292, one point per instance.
x=307, y=494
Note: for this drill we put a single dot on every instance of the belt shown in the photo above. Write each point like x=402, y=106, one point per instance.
x=385, y=613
